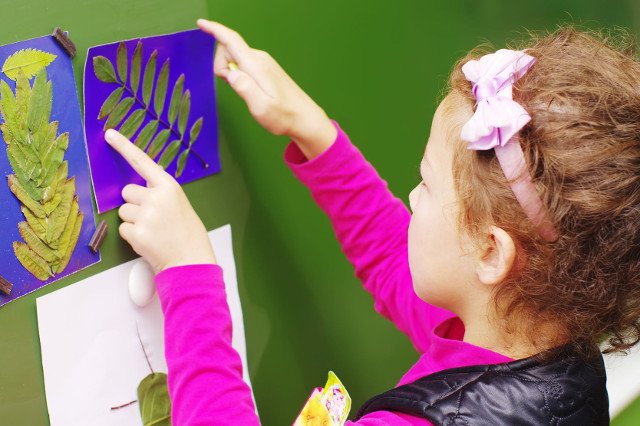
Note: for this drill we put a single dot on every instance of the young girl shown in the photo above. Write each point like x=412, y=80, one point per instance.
x=521, y=254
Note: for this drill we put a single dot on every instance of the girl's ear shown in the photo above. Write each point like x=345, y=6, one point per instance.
x=497, y=259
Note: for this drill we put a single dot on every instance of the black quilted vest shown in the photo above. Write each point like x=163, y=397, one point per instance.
x=561, y=392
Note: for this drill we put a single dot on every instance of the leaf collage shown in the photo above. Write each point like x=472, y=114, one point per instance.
x=40, y=181
x=143, y=94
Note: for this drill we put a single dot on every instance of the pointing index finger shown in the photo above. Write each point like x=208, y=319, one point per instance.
x=141, y=163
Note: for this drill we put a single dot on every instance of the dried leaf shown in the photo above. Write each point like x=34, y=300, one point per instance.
x=62, y=243
x=145, y=135
x=52, y=157
x=136, y=63
x=133, y=123
x=58, y=218
x=122, y=61
x=118, y=113
x=39, y=226
x=57, y=187
x=182, y=161
x=29, y=61
x=185, y=108
x=153, y=396
x=31, y=261
x=35, y=244
x=103, y=69
x=20, y=193
x=161, y=88
x=158, y=143
x=169, y=154
x=38, y=103
x=73, y=240
x=8, y=106
x=110, y=103
x=23, y=94
x=176, y=99
x=149, y=77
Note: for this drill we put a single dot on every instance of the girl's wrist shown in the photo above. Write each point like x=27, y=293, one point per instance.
x=315, y=134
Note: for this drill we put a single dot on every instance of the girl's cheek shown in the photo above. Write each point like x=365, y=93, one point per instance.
x=413, y=198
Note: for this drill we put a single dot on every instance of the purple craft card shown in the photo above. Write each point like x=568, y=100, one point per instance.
x=131, y=98
x=36, y=235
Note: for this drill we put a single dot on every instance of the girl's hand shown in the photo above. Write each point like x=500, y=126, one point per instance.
x=273, y=98
x=158, y=220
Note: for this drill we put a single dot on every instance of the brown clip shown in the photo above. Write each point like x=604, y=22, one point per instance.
x=98, y=236
x=63, y=40
x=5, y=286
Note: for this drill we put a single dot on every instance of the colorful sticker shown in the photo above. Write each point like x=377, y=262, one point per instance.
x=328, y=406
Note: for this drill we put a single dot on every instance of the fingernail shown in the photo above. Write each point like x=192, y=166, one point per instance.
x=109, y=135
x=233, y=76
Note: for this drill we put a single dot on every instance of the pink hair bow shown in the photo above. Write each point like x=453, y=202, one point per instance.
x=496, y=123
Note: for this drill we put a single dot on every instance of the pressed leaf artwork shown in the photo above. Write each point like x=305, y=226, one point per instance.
x=159, y=93
x=46, y=193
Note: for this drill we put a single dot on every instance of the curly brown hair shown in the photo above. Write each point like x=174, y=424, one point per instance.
x=582, y=146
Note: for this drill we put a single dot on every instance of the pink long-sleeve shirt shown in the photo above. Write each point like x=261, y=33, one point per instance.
x=205, y=372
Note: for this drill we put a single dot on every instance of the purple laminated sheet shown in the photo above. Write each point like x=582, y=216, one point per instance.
x=25, y=158
x=174, y=121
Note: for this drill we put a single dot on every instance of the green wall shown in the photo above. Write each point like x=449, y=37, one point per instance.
x=378, y=67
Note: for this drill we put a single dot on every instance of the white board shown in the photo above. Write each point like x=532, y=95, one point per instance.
x=91, y=355
x=623, y=379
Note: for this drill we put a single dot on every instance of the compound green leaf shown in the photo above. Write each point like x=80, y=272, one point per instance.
x=158, y=143
x=136, y=65
x=169, y=154
x=153, y=397
x=182, y=161
x=18, y=190
x=31, y=261
x=122, y=61
x=58, y=218
x=73, y=240
x=52, y=158
x=149, y=77
x=185, y=108
x=23, y=94
x=110, y=103
x=161, y=88
x=29, y=61
x=133, y=123
x=57, y=187
x=176, y=99
x=103, y=69
x=118, y=113
x=145, y=135
x=34, y=242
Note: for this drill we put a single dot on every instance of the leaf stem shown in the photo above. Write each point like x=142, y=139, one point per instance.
x=124, y=405
x=164, y=123
x=143, y=349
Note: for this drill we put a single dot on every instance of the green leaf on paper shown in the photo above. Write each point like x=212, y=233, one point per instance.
x=136, y=63
x=73, y=240
x=31, y=261
x=145, y=135
x=169, y=154
x=176, y=99
x=35, y=243
x=149, y=77
x=185, y=108
x=22, y=195
x=153, y=397
x=104, y=70
x=158, y=143
x=118, y=113
x=122, y=61
x=29, y=61
x=38, y=225
x=161, y=88
x=59, y=216
x=156, y=132
x=110, y=103
x=39, y=103
x=62, y=243
x=133, y=123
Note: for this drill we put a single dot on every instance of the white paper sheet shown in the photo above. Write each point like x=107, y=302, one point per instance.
x=623, y=379
x=91, y=355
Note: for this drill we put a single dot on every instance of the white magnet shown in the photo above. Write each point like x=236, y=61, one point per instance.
x=141, y=284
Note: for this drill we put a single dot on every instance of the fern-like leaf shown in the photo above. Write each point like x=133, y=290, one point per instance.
x=29, y=61
x=40, y=181
x=128, y=114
